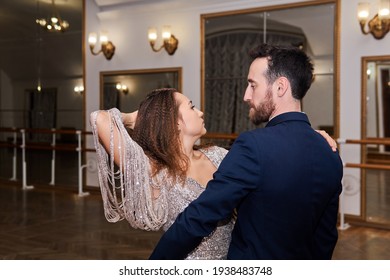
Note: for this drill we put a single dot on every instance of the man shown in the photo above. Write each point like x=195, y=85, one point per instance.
x=283, y=180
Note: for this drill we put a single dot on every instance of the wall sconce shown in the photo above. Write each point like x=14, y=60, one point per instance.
x=379, y=25
x=170, y=42
x=122, y=88
x=79, y=89
x=107, y=47
x=368, y=72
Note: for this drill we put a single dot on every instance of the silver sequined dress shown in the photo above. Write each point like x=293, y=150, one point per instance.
x=129, y=192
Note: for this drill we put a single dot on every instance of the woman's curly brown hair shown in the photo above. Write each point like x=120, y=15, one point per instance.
x=156, y=131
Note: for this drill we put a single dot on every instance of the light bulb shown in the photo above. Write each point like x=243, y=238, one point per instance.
x=92, y=39
x=152, y=34
x=166, y=32
x=363, y=11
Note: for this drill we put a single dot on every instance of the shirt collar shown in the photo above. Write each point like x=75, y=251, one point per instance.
x=289, y=116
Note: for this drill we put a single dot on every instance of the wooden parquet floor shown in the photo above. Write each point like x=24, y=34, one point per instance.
x=49, y=224
x=59, y=225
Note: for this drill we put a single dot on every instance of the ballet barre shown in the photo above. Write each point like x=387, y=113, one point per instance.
x=53, y=147
x=340, y=141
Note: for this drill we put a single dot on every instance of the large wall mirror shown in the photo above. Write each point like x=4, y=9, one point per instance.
x=39, y=72
x=376, y=130
x=227, y=38
x=126, y=89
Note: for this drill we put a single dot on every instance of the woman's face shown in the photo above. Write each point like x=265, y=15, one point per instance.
x=191, y=121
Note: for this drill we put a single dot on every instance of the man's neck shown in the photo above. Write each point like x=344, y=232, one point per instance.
x=291, y=107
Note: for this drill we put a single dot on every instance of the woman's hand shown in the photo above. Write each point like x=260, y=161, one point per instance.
x=332, y=143
x=129, y=119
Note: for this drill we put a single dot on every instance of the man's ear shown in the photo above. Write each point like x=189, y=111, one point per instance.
x=282, y=85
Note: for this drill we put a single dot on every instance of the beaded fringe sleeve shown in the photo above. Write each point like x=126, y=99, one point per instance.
x=128, y=191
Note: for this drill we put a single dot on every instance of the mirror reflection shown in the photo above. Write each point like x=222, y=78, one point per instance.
x=378, y=98
x=126, y=89
x=39, y=71
x=376, y=127
x=229, y=37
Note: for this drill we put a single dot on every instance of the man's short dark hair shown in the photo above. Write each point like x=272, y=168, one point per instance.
x=290, y=62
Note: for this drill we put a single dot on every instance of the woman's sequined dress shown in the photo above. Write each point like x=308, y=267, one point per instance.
x=129, y=192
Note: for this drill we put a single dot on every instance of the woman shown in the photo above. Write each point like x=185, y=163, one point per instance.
x=157, y=170
x=150, y=175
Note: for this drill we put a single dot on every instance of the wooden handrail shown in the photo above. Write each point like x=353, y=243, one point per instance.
x=9, y=145
x=44, y=130
x=220, y=136
x=367, y=166
x=9, y=129
x=383, y=141
x=46, y=145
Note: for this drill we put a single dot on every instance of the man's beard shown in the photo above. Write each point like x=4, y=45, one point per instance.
x=262, y=112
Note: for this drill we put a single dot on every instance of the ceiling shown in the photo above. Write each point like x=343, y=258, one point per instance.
x=26, y=50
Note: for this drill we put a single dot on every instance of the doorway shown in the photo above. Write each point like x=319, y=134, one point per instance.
x=42, y=113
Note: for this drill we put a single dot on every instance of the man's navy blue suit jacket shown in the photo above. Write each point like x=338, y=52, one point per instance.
x=284, y=180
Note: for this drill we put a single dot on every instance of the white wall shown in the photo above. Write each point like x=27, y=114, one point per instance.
x=354, y=45
x=128, y=31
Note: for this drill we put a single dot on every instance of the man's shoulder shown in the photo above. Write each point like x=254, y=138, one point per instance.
x=256, y=138
x=259, y=132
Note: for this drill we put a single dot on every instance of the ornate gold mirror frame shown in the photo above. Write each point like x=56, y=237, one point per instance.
x=375, y=135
